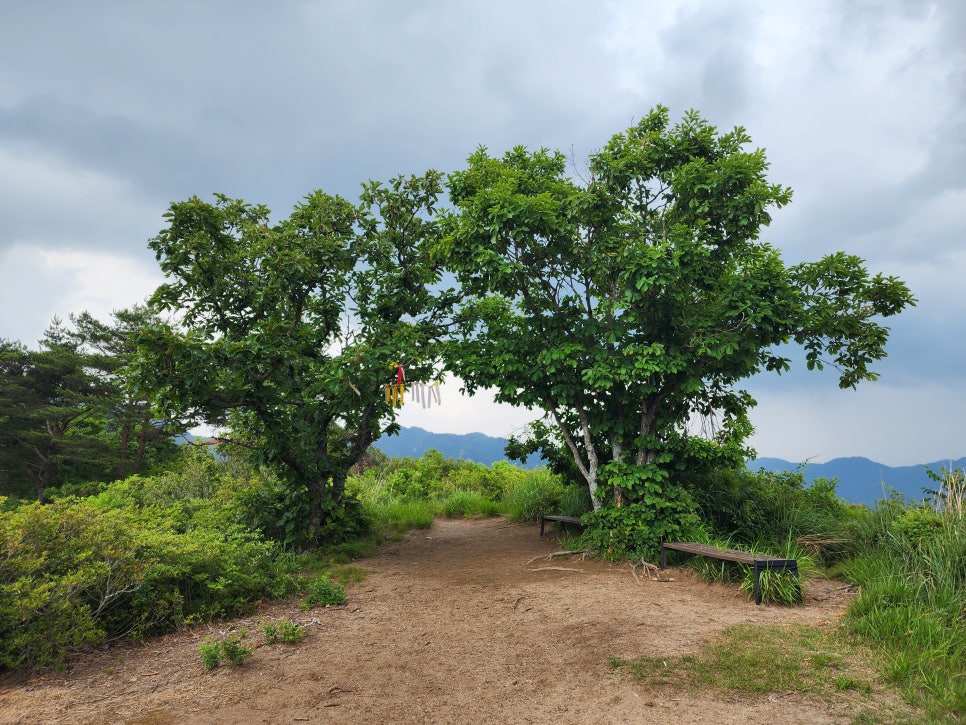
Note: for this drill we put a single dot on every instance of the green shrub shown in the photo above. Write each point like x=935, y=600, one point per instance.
x=751, y=507
x=65, y=564
x=635, y=530
x=125, y=562
x=213, y=652
x=918, y=526
x=324, y=593
x=284, y=631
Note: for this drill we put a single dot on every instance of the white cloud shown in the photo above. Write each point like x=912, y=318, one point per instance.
x=42, y=283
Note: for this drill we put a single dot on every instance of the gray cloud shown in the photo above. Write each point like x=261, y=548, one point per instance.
x=109, y=110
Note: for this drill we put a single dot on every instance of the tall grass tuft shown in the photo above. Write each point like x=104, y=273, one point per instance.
x=912, y=603
x=466, y=504
x=535, y=494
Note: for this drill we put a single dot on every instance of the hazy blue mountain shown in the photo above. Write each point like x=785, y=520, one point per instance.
x=859, y=479
x=863, y=481
x=413, y=442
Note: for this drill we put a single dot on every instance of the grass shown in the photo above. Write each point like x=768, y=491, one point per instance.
x=466, y=504
x=912, y=611
x=757, y=660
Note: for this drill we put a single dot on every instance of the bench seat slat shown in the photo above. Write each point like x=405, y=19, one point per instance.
x=760, y=562
x=692, y=547
x=562, y=519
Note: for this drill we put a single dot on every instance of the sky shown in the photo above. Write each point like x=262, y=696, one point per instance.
x=109, y=111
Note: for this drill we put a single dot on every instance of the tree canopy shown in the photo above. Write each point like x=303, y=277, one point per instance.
x=66, y=413
x=289, y=331
x=46, y=398
x=630, y=302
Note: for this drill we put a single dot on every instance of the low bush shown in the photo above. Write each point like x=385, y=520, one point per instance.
x=755, y=507
x=214, y=652
x=324, y=593
x=285, y=631
x=143, y=556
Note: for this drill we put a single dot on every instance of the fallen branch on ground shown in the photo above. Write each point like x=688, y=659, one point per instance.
x=555, y=568
x=583, y=555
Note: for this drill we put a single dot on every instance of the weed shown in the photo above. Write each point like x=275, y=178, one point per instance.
x=324, y=593
x=467, y=504
x=213, y=652
x=284, y=631
x=210, y=653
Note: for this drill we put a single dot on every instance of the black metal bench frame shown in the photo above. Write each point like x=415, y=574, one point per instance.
x=561, y=519
x=760, y=562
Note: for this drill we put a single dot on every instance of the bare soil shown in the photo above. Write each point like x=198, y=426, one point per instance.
x=451, y=625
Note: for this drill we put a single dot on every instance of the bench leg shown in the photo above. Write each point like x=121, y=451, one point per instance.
x=542, y=522
x=757, y=584
x=663, y=557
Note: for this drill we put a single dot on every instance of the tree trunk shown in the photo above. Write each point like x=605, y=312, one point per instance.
x=326, y=493
x=142, y=445
x=617, y=453
x=588, y=470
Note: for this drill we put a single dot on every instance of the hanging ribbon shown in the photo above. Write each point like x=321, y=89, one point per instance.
x=396, y=394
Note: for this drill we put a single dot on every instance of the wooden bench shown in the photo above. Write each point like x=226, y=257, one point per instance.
x=760, y=562
x=562, y=519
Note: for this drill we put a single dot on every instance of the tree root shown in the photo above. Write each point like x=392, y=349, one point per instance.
x=653, y=573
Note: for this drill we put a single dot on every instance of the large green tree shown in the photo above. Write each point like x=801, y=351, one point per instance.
x=289, y=331
x=635, y=301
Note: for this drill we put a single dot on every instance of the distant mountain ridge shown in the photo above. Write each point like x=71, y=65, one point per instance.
x=476, y=447
x=860, y=480
x=863, y=481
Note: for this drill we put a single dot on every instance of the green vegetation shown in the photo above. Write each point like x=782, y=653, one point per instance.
x=909, y=619
x=629, y=308
x=755, y=660
x=67, y=421
x=289, y=332
x=324, y=593
x=285, y=631
x=202, y=542
x=631, y=302
x=230, y=649
x=143, y=556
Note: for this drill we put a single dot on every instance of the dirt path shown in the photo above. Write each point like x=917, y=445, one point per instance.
x=449, y=627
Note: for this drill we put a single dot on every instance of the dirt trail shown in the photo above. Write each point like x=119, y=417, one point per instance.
x=450, y=626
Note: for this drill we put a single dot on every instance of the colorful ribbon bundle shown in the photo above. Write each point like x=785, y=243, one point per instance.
x=423, y=393
x=396, y=394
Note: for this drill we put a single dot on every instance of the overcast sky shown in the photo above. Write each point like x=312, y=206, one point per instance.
x=111, y=110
